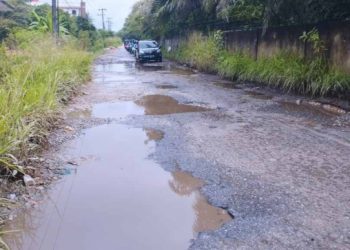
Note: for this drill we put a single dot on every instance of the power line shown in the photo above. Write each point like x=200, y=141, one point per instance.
x=103, y=17
x=109, y=24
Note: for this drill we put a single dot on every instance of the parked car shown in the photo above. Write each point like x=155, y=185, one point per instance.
x=127, y=44
x=148, y=50
x=134, y=48
x=130, y=45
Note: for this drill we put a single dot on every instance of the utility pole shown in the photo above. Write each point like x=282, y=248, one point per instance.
x=58, y=18
x=54, y=19
x=109, y=24
x=103, y=17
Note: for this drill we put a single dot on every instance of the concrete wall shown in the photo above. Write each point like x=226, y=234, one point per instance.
x=275, y=40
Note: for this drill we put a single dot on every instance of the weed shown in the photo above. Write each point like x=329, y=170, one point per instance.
x=35, y=79
x=285, y=70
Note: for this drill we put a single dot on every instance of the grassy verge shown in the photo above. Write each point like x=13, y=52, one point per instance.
x=36, y=77
x=286, y=71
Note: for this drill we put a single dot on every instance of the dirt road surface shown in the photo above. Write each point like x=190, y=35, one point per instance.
x=158, y=156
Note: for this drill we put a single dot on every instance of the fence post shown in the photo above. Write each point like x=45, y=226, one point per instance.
x=305, y=50
x=256, y=45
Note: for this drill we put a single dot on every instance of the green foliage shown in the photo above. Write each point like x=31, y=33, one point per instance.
x=198, y=51
x=18, y=17
x=113, y=42
x=317, y=43
x=286, y=71
x=44, y=23
x=166, y=18
x=35, y=80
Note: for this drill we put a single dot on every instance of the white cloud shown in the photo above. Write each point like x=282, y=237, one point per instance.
x=117, y=10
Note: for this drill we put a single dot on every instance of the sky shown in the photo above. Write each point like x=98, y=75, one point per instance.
x=117, y=10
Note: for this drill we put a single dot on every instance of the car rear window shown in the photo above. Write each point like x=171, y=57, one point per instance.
x=148, y=44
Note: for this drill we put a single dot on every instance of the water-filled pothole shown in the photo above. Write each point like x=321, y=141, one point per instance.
x=166, y=86
x=258, y=95
x=118, y=199
x=162, y=105
x=154, y=135
x=116, y=109
x=226, y=85
x=306, y=109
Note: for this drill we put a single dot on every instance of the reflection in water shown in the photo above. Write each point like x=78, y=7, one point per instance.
x=153, y=135
x=184, y=184
x=162, y=105
x=307, y=109
x=166, y=86
x=258, y=95
x=116, y=110
x=118, y=199
x=226, y=85
x=207, y=216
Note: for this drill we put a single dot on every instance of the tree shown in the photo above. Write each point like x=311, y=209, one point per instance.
x=164, y=18
x=19, y=16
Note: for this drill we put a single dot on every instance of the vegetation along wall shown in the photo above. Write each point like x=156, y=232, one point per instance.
x=260, y=44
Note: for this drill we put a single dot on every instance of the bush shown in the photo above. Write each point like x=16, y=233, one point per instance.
x=36, y=79
x=198, y=51
x=285, y=70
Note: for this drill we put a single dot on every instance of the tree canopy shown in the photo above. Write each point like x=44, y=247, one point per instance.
x=159, y=18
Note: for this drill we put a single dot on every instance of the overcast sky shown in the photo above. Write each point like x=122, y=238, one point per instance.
x=117, y=10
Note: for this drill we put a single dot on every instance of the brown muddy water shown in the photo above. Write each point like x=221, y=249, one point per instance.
x=162, y=105
x=166, y=86
x=258, y=95
x=117, y=197
x=306, y=108
x=226, y=85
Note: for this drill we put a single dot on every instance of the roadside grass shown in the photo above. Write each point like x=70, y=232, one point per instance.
x=113, y=42
x=36, y=78
x=285, y=70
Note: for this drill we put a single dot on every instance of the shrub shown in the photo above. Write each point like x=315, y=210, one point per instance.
x=41, y=77
x=285, y=70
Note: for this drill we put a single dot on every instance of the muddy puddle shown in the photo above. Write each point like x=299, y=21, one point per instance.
x=116, y=110
x=258, y=95
x=166, y=86
x=114, y=67
x=226, y=85
x=162, y=105
x=117, y=198
x=307, y=109
x=154, y=135
x=147, y=105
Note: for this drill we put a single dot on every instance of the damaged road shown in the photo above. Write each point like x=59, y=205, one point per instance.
x=158, y=156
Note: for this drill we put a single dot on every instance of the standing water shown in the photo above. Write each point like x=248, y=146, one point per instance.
x=118, y=197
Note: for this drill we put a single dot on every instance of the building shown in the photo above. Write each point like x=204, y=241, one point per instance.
x=76, y=10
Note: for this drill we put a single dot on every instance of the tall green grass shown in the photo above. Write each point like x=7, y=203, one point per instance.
x=285, y=70
x=36, y=77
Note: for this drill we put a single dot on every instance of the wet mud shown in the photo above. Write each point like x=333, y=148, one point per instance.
x=307, y=109
x=226, y=85
x=258, y=95
x=164, y=105
x=166, y=86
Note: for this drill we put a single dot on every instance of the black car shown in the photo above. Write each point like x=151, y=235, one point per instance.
x=148, y=50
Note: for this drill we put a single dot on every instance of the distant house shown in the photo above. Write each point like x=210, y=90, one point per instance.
x=76, y=10
x=5, y=7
